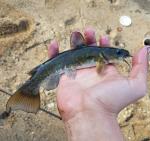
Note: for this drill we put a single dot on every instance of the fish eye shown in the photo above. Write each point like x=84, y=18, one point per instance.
x=118, y=52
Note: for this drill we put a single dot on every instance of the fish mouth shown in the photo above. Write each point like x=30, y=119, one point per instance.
x=130, y=55
x=127, y=56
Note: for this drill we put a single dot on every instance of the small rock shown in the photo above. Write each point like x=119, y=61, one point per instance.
x=37, y=24
x=137, y=11
x=119, y=29
x=146, y=139
x=70, y=21
x=50, y=105
x=146, y=40
x=125, y=20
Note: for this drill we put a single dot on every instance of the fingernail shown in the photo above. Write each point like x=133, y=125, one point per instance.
x=54, y=41
x=53, y=49
x=89, y=34
x=76, y=40
x=89, y=29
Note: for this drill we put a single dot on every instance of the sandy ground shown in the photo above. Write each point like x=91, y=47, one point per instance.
x=27, y=27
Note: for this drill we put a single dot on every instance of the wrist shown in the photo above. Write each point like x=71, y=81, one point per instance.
x=93, y=126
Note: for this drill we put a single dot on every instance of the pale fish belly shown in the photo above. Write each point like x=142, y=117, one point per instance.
x=52, y=81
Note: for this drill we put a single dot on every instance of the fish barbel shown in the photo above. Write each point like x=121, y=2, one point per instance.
x=27, y=97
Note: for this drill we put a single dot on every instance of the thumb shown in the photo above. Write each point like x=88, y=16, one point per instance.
x=138, y=74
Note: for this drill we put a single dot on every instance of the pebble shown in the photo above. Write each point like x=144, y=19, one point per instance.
x=50, y=105
x=125, y=20
x=146, y=40
x=119, y=29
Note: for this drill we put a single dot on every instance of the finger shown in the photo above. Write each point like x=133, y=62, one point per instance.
x=138, y=74
x=53, y=49
x=89, y=34
x=76, y=40
x=104, y=41
x=109, y=69
x=140, y=64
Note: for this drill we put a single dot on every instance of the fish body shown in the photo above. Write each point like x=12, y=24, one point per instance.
x=68, y=60
x=27, y=97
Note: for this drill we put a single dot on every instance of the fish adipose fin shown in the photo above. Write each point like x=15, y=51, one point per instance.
x=51, y=82
x=21, y=100
x=77, y=40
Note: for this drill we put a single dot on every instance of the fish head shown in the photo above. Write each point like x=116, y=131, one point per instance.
x=116, y=54
x=112, y=55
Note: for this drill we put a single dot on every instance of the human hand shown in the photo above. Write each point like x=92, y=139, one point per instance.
x=102, y=94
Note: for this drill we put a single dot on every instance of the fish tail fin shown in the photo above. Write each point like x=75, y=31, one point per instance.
x=23, y=100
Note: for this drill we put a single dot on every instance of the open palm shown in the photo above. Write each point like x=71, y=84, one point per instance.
x=107, y=91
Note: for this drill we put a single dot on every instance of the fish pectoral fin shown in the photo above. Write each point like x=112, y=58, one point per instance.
x=51, y=82
x=21, y=100
x=100, y=63
x=77, y=40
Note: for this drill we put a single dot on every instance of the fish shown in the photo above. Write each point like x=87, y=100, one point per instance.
x=47, y=74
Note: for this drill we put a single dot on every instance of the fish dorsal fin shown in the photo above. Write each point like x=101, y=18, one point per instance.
x=77, y=40
x=34, y=70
